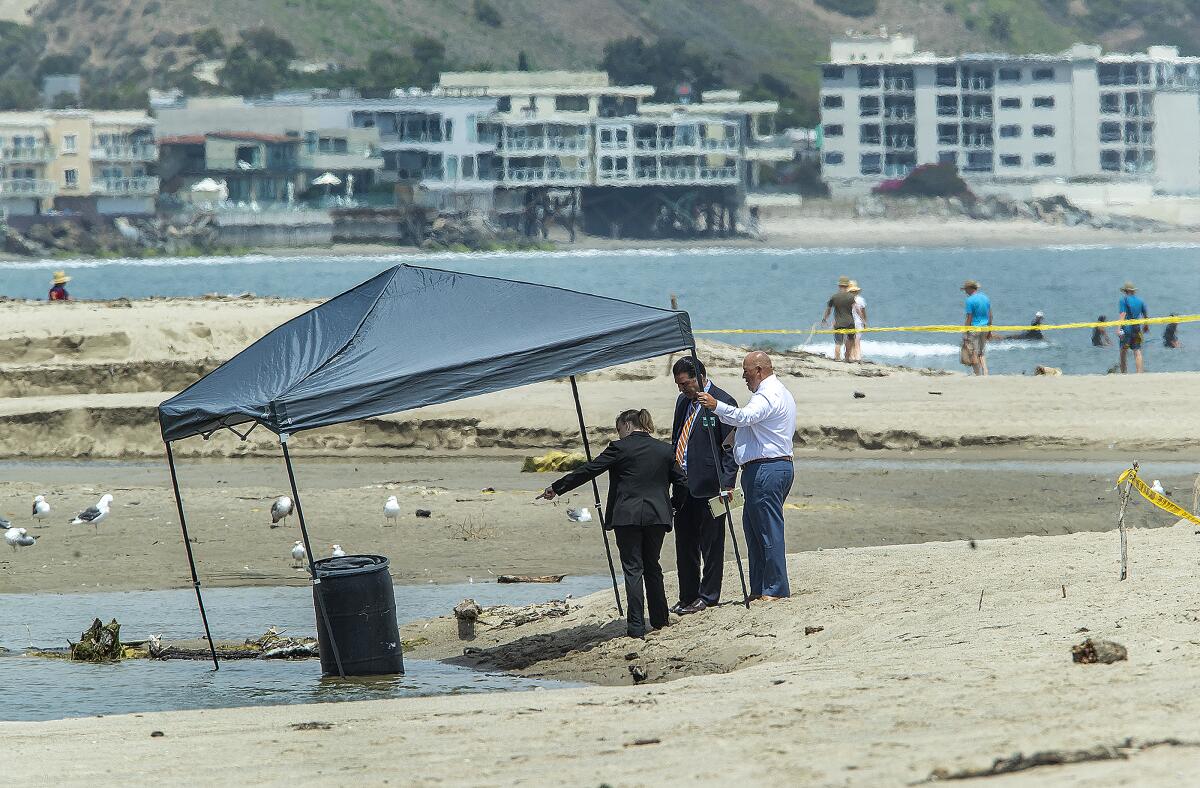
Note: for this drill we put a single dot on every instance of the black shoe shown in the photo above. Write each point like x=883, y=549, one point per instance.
x=677, y=608
x=699, y=606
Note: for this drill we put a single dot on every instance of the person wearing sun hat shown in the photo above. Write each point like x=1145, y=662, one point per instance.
x=854, y=351
x=841, y=304
x=1130, y=307
x=978, y=314
x=58, y=290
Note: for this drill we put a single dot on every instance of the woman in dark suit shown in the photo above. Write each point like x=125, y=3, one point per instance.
x=640, y=470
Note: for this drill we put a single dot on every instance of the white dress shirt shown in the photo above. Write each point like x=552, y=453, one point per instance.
x=765, y=426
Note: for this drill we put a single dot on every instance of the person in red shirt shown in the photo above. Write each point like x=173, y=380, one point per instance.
x=59, y=291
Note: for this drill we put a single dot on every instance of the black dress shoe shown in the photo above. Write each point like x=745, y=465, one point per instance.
x=699, y=606
x=677, y=608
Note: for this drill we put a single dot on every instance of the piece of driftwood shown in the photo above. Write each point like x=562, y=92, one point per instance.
x=1125, y=495
x=100, y=643
x=467, y=612
x=530, y=578
x=1021, y=762
x=1105, y=652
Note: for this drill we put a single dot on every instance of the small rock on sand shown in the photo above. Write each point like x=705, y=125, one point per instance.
x=1102, y=651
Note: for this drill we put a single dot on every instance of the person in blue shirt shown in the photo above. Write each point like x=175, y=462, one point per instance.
x=1132, y=308
x=979, y=313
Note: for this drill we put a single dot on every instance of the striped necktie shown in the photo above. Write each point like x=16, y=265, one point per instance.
x=681, y=447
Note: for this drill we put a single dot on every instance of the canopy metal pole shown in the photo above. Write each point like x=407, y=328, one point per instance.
x=312, y=567
x=187, y=545
x=712, y=442
x=587, y=450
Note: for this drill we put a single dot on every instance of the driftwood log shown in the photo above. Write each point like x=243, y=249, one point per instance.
x=100, y=643
x=467, y=612
x=530, y=578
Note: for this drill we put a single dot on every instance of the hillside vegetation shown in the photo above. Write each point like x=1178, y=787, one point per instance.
x=136, y=42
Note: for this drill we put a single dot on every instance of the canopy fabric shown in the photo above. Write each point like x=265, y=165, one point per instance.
x=414, y=336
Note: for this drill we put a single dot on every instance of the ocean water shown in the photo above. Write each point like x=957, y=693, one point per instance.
x=54, y=689
x=740, y=288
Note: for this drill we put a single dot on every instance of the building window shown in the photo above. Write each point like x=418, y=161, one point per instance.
x=1044, y=160
x=948, y=157
x=1010, y=131
x=1110, y=132
x=868, y=134
x=868, y=76
x=571, y=103
x=832, y=130
x=1043, y=102
x=834, y=157
x=1043, y=131
x=947, y=134
x=1110, y=160
x=871, y=164
x=1011, y=102
x=1010, y=160
x=832, y=102
x=833, y=72
x=1043, y=74
x=71, y=178
x=947, y=105
x=1110, y=103
x=868, y=106
x=70, y=143
x=504, y=104
x=947, y=77
x=1010, y=75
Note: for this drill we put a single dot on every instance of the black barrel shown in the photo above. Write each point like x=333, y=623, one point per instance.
x=361, y=606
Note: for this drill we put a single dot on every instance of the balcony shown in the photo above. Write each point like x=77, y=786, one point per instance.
x=976, y=84
x=577, y=143
x=137, y=186
x=545, y=175
x=726, y=145
x=983, y=113
x=687, y=174
x=977, y=141
x=901, y=143
x=898, y=85
x=134, y=151
x=900, y=113
x=26, y=187
x=27, y=154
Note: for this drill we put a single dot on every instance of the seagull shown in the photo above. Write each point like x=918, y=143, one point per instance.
x=94, y=514
x=40, y=508
x=4, y=524
x=581, y=515
x=280, y=509
x=391, y=509
x=298, y=553
x=1158, y=488
x=338, y=552
x=18, y=537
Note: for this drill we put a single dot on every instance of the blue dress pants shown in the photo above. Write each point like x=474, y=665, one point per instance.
x=765, y=486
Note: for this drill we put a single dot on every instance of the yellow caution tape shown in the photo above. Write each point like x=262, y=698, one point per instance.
x=953, y=329
x=1161, y=501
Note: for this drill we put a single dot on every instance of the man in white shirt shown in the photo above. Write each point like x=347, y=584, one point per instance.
x=763, y=449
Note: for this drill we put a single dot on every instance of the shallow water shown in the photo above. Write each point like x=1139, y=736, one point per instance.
x=755, y=288
x=53, y=689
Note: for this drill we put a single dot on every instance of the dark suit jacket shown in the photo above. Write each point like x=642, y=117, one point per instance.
x=702, y=481
x=641, y=470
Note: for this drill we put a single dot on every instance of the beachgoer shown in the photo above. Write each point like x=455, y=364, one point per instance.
x=1131, y=307
x=1034, y=333
x=860, y=322
x=1100, y=336
x=763, y=448
x=1171, y=335
x=979, y=313
x=841, y=304
x=699, y=536
x=58, y=290
x=640, y=470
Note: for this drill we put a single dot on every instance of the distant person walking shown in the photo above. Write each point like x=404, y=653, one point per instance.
x=58, y=288
x=860, y=322
x=763, y=448
x=978, y=314
x=1100, y=337
x=841, y=304
x=1171, y=335
x=1132, y=308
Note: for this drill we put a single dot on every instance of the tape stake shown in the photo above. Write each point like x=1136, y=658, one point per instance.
x=1161, y=501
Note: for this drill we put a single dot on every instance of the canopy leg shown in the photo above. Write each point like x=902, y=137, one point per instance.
x=312, y=568
x=587, y=450
x=712, y=442
x=187, y=545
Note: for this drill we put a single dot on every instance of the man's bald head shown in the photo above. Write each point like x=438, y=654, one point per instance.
x=755, y=367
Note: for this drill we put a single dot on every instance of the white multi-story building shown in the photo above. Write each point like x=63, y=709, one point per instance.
x=886, y=108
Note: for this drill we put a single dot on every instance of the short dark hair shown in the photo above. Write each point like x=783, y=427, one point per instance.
x=685, y=364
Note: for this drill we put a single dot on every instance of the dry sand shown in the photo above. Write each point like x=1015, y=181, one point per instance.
x=908, y=674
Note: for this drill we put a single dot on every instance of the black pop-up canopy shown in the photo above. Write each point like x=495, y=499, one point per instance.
x=410, y=337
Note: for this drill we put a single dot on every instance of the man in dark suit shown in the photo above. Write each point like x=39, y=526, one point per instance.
x=641, y=470
x=699, y=537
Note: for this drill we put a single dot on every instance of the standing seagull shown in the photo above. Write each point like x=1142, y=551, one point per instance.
x=280, y=509
x=18, y=537
x=299, y=554
x=94, y=514
x=40, y=508
x=391, y=509
x=338, y=552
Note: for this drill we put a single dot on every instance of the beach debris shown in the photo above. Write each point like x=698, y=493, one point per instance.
x=272, y=644
x=99, y=643
x=315, y=725
x=553, y=461
x=1105, y=652
x=472, y=529
x=580, y=515
x=391, y=508
x=859, y=395
x=1054, y=372
x=40, y=507
x=643, y=742
x=530, y=578
x=630, y=656
x=467, y=612
x=299, y=554
x=1158, y=488
x=337, y=551
x=94, y=514
x=157, y=734
x=424, y=513
x=281, y=508
x=813, y=630
x=488, y=491
x=1020, y=762
x=504, y=616
x=17, y=537
x=639, y=673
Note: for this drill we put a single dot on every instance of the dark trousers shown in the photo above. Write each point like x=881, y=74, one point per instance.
x=639, y=546
x=699, y=538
